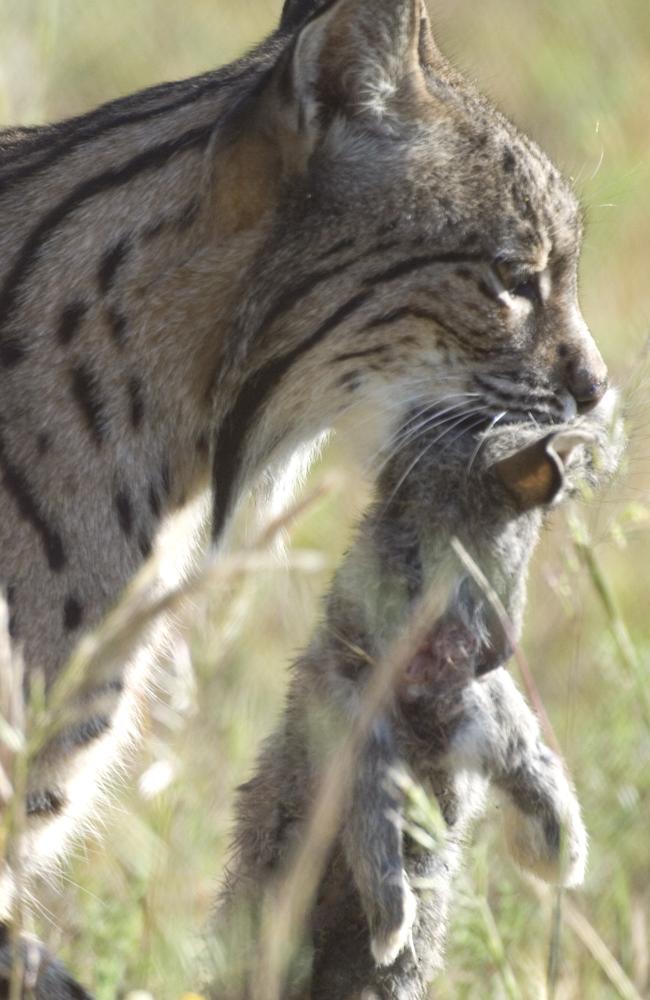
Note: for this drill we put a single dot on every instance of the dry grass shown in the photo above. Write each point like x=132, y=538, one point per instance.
x=578, y=78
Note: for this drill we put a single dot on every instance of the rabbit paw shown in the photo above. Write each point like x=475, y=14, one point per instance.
x=392, y=926
x=551, y=843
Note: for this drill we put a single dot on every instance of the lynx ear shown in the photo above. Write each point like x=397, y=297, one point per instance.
x=534, y=476
x=354, y=58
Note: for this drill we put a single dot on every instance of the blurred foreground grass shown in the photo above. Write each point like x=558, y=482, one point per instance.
x=577, y=77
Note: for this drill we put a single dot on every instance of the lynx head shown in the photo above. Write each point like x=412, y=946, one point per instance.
x=417, y=248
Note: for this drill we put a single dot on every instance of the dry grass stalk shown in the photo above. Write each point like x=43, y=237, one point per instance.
x=25, y=730
x=592, y=941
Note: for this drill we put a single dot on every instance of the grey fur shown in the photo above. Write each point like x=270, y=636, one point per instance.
x=453, y=730
x=201, y=278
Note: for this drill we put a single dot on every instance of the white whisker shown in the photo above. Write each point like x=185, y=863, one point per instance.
x=482, y=441
x=409, y=432
x=465, y=430
x=418, y=458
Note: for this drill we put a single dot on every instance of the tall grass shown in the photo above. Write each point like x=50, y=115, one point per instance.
x=126, y=911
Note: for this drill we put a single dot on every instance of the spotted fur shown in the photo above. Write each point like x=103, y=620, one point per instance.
x=338, y=220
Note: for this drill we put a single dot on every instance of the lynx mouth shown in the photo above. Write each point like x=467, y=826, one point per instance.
x=517, y=398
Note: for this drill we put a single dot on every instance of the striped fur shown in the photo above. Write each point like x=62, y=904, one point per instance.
x=197, y=279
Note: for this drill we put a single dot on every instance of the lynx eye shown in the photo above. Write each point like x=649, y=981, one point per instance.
x=527, y=289
x=518, y=282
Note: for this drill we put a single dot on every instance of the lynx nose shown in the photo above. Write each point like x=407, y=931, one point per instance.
x=584, y=372
x=587, y=385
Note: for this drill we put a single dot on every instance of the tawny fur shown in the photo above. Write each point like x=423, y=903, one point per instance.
x=197, y=279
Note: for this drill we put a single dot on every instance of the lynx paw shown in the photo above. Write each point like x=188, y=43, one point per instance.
x=392, y=931
x=43, y=977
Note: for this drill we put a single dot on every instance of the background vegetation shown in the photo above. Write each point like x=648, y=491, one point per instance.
x=577, y=77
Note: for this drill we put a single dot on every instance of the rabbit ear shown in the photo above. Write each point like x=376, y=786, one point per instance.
x=534, y=476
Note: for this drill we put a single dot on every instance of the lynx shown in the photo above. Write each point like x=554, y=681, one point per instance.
x=200, y=278
x=456, y=719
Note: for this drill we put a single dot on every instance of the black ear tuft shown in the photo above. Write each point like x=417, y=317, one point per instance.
x=296, y=12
